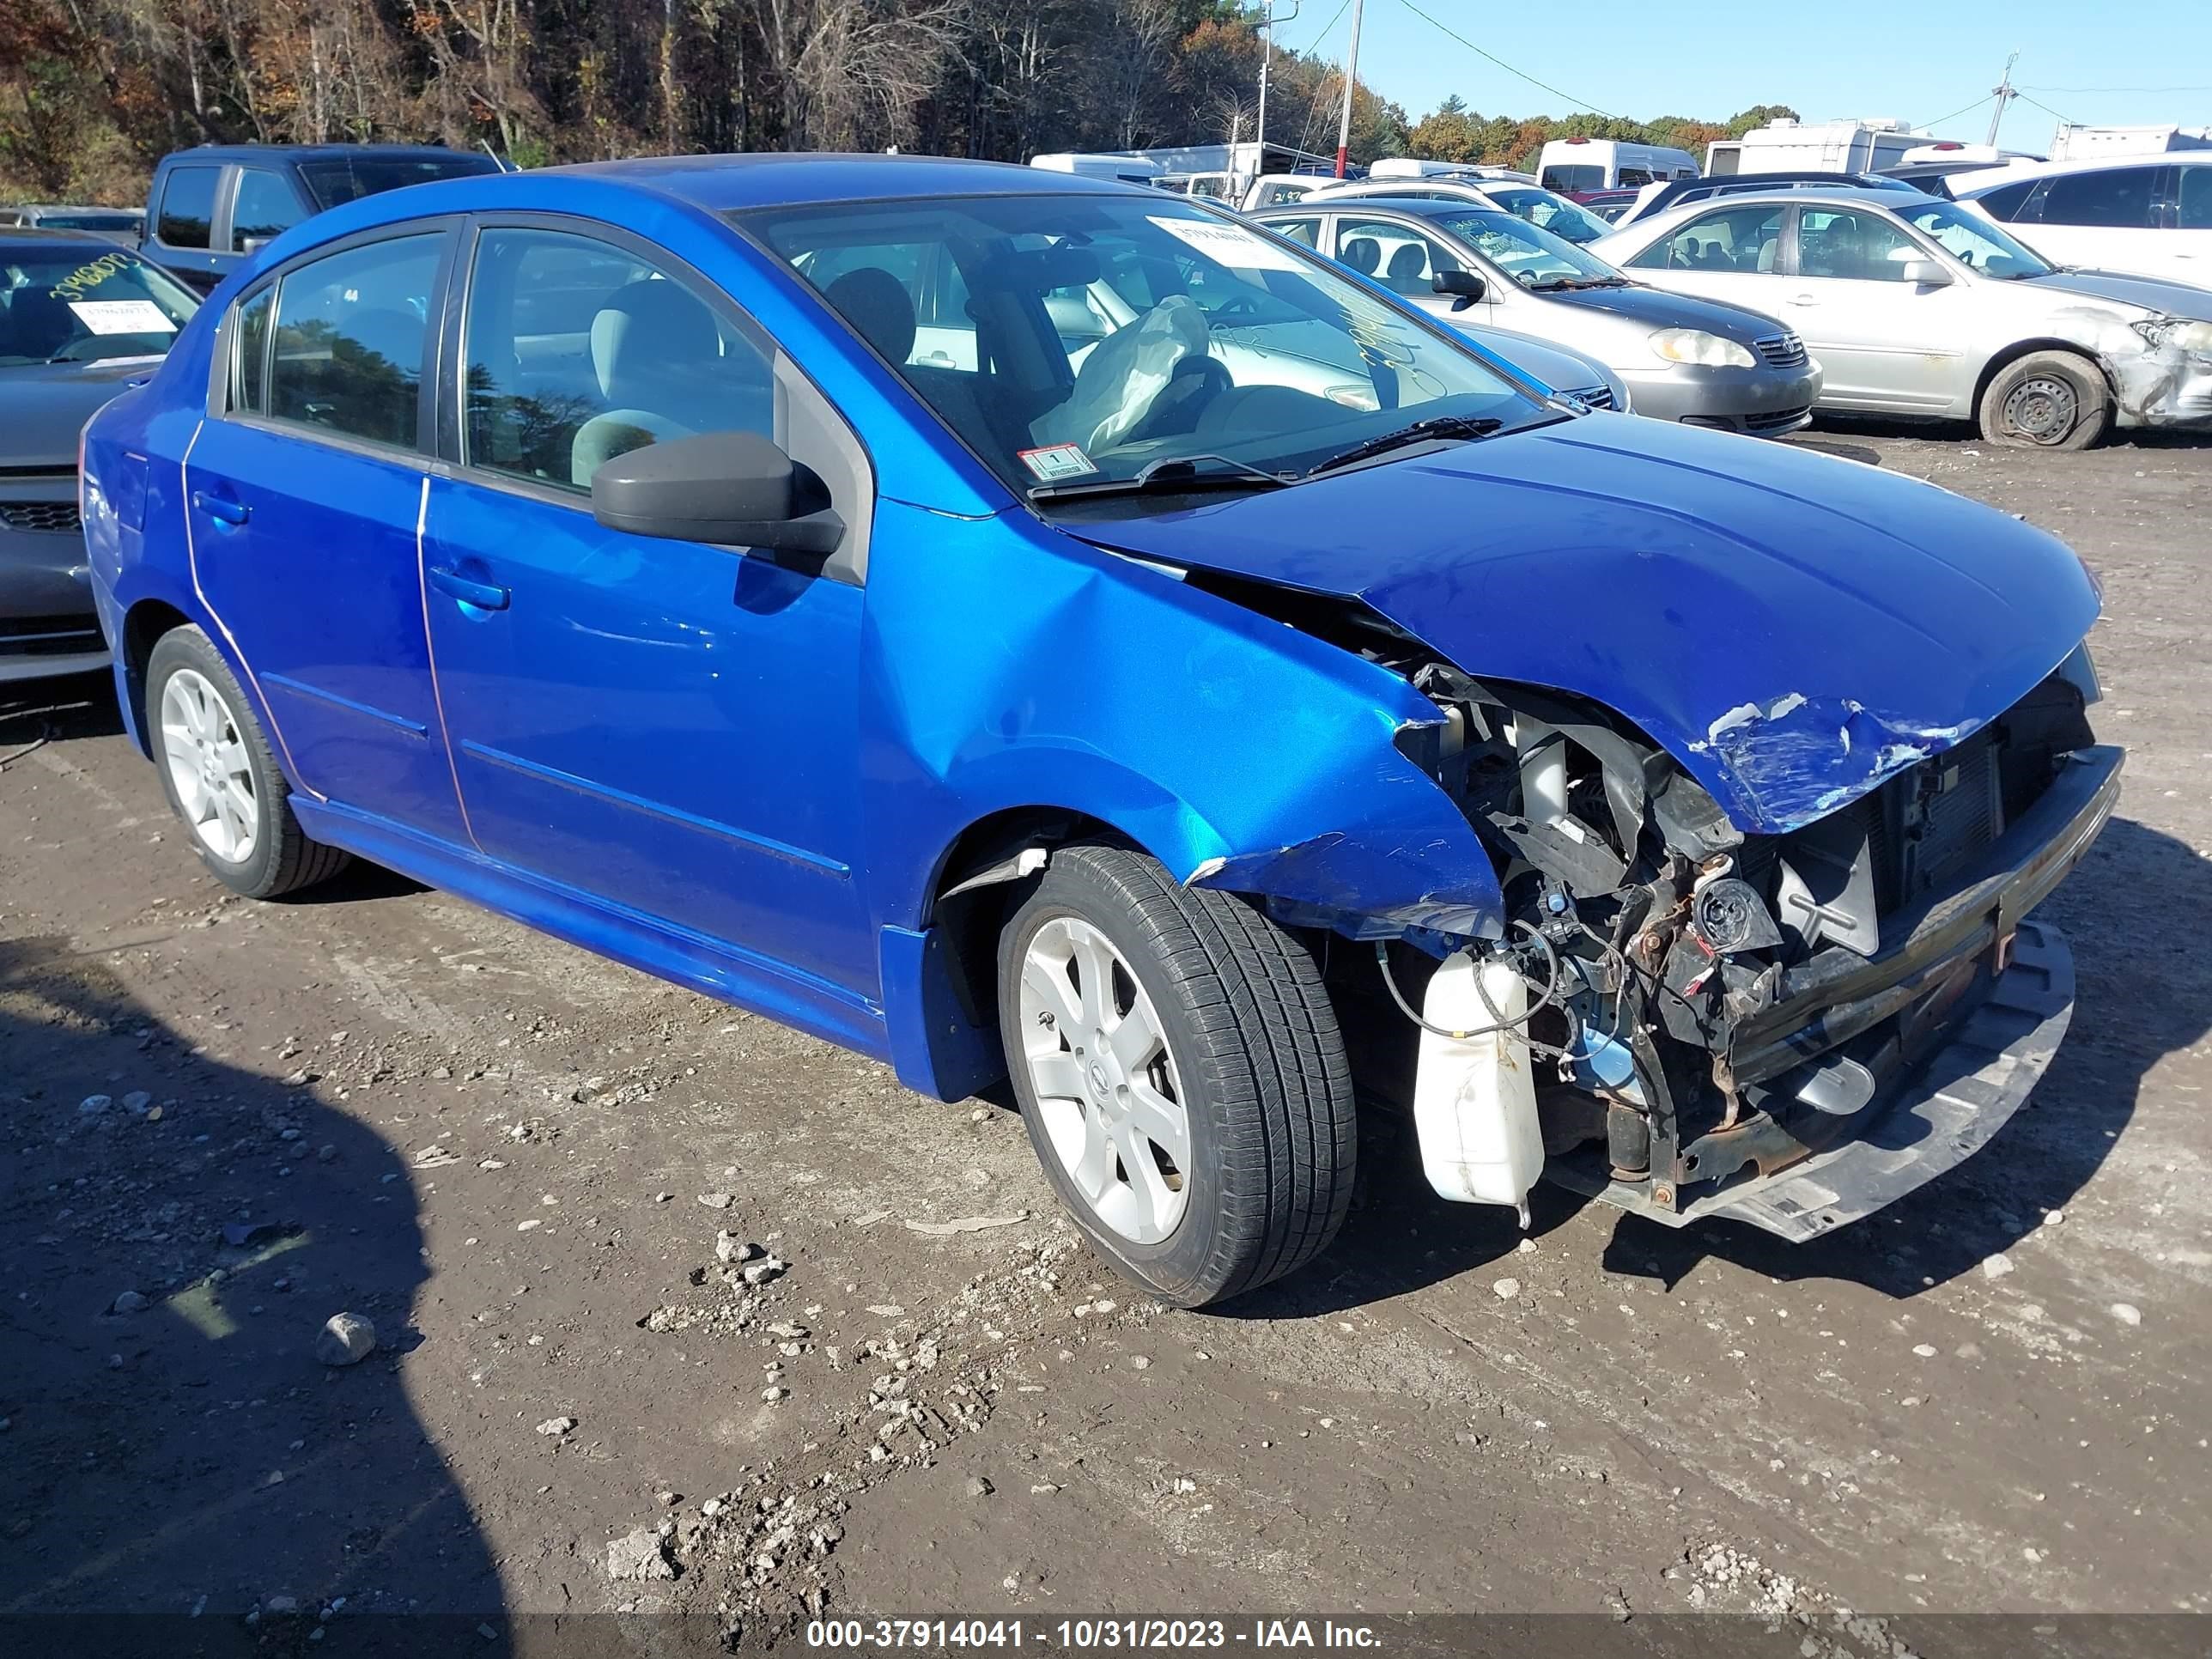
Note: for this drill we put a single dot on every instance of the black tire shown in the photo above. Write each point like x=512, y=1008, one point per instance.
x=1255, y=1040
x=2047, y=400
x=283, y=859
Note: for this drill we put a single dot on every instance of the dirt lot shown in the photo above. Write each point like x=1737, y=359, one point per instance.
x=515, y=1159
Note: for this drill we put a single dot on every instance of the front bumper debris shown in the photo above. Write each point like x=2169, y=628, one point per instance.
x=1871, y=1080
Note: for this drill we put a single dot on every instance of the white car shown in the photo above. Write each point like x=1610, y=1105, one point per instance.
x=1916, y=306
x=2146, y=215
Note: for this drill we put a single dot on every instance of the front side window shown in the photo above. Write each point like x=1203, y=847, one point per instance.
x=264, y=207
x=1972, y=240
x=1738, y=241
x=2197, y=198
x=2118, y=199
x=351, y=338
x=1633, y=178
x=2005, y=205
x=577, y=351
x=187, y=206
x=1852, y=247
x=1221, y=342
x=72, y=305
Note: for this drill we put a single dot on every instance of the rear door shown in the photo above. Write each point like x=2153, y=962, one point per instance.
x=180, y=233
x=2106, y=219
x=304, y=498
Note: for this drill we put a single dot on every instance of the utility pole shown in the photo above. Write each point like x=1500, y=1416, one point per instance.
x=1351, y=80
x=2004, y=94
x=1267, y=22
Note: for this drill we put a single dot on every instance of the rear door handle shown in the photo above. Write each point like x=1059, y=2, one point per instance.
x=1801, y=300
x=222, y=511
x=485, y=596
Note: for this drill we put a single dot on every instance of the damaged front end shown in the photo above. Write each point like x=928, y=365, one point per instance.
x=1724, y=1023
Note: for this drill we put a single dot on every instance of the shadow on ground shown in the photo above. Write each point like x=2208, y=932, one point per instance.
x=2134, y=912
x=173, y=1233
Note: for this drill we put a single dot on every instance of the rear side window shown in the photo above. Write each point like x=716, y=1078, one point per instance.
x=2118, y=197
x=249, y=374
x=265, y=207
x=1633, y=178
x=1306, y=231
x=1739, y=240
x=187, y=206
x=2005, y=205
x=351, y=340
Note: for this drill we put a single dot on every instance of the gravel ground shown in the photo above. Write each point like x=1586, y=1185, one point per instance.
x=676, y=1310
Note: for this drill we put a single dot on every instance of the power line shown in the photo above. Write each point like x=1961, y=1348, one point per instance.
x=1956, y=114
x=2129, y=89
x=1308, y=51
x=2045, y=108
x=1573, y=102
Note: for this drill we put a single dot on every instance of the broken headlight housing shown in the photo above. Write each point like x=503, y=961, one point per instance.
x=2178, y=334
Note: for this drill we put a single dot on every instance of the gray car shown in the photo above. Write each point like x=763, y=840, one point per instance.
x=1920, y=308
x=80, y=319
x=1479, y=268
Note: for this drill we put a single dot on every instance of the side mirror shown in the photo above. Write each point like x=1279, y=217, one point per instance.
x=1465, y=286
x=731, y=489
x=1926, y=273
x=250, y=245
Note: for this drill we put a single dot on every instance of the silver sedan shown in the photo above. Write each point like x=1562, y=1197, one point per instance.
x=1917, y=307
x=1481, y=269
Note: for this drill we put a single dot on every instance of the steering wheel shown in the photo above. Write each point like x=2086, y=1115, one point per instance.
x=1196, y=382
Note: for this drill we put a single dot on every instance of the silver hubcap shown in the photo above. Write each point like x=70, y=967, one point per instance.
x=2042, y=409
x=208, y=765
x=1106, y=1084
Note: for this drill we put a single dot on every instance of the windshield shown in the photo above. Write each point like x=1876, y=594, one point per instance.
x=1541, y=209
x=64, y=307
x=346, y=179
x=1533, y=257
x=1973, y=240
x=1072, y=339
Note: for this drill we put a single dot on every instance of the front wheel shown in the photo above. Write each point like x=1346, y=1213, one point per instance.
x=221, y=776
x=2047, y=400
x=1181, y=1072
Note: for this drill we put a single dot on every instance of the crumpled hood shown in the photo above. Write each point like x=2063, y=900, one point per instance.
x=43, y=407
x=2153, y=293
x=1791, y=627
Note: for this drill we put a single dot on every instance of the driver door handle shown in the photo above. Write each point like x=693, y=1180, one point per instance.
x=219, y=509
x=485, y=596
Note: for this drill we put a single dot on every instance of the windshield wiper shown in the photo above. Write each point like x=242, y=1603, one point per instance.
x=1170, y=475
x=1438, y=427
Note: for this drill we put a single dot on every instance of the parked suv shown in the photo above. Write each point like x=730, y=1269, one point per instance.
x=211, y=207
x=2147, y=216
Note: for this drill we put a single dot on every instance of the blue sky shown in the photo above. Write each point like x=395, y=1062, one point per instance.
x=2127, y=63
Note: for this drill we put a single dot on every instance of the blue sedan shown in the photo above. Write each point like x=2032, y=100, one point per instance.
x=1018, y=625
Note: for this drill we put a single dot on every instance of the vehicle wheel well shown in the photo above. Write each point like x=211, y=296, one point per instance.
x=143, y=626
x=968, y=923
x=2020, y=349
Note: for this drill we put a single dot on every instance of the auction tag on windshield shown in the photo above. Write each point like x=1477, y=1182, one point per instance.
x=1057, y=461
x=122, y=317
x=1237, y=246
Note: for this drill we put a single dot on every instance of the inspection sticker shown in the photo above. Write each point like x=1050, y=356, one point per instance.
x=1057, y=461
x=122, y=317
x=1234, y=246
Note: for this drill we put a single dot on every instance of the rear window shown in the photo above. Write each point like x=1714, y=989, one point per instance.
x=348, y=178
x=77, y=305
x=187, y=206
x=1568, y=178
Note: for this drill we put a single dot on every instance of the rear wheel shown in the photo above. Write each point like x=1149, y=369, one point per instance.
x=2047, y=400
x=1181, y=1072
x=220, y=776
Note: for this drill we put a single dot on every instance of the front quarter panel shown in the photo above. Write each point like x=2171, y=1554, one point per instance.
x=1015, y=666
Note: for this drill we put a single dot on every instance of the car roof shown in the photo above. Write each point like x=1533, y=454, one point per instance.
x=724, y=184
x=310, y=152
x=1421, y=207
x=2012, y=173
x=43, y=239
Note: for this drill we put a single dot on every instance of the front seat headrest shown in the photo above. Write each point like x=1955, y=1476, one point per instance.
x=877, y=305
